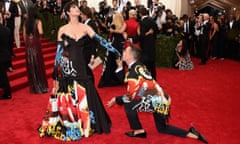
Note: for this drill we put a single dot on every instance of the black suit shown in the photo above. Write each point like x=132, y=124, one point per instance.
x=9, y=22
x=147, y=44
x=204, y=38
x=5, y=56
x=234, y=25
x=232, y=50
x=188, y=35
x=90, y=49
x=24, y=9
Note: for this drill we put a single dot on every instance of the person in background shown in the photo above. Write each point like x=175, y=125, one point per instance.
x=197, y=32
x=222, y=38
x=32, y=33
x=117, y=30
x=5, y=56
x=204, y=38
x=17, y=22
x=159, y=21
x=188, y=30
x=90, y=48
x=147, y=36
x=24, y=6
x=146, y=95
x=10, y=12
x=183, y=57
x=232, y=46
x=132, y=27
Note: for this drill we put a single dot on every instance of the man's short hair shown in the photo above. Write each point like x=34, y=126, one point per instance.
x=143, y=11
x=136, y=51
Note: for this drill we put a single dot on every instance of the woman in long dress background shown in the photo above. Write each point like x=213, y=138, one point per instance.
x=32, y=32
x=108, y=77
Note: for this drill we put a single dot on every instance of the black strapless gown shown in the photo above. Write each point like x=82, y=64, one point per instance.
x=77, y=110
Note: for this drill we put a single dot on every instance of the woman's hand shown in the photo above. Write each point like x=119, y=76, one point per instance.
x=111, y=30
x=55, y=86
x=125, y=36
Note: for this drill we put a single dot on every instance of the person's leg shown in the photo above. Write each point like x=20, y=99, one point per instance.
x=134, y=121
x=132, y=115
x=163, y=127
x=5, y=82
x=16, y=31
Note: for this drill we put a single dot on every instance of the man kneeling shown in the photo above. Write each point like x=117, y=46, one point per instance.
x=145, y=94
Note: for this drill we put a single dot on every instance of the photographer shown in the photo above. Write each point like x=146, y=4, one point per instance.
x=102, y=17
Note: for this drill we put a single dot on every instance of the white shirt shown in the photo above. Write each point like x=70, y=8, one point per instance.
x=231, y=24
x=87, y=21
x=7, y=5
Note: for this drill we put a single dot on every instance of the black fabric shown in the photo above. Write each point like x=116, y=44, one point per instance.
x=109, y=77
x=76, y=56
x=5, y=57
x=160, y=122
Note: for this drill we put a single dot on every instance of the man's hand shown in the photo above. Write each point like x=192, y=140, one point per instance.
x=92, y=60
x=111, y=102
x=119, y=63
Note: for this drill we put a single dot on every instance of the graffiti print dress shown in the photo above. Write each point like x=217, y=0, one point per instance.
x=76, y=110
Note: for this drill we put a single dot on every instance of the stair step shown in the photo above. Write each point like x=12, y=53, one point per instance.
x=22, y=82
x=22, y=45
x=19, y=83
x=22, y=55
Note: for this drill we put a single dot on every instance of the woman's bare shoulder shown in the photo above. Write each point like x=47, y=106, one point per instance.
x=61, y=31
x=62, y=28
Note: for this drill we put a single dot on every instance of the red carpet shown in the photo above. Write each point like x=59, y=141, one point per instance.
x=206, y=97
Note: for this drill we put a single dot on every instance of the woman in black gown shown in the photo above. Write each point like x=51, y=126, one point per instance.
x=32, y=32
x=75, y=110
x=108, y=77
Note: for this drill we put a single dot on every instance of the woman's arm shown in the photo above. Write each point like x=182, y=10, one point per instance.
x=24, y=33
x=121, y=30
x=215, y=29
x=91, y=33
x=40, y=28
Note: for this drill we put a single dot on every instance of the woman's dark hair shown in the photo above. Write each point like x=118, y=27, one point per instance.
x=31, y=20
x=67, y=7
